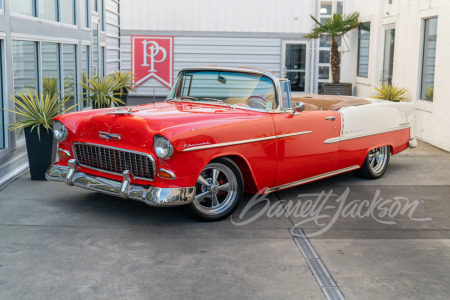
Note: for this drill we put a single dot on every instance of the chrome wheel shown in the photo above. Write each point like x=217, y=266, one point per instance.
x=217, y=190
x=378, y=159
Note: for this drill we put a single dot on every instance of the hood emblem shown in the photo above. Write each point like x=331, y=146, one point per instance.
x=121, y=112
x=109, y=136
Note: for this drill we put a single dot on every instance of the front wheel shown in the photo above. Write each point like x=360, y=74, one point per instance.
x=375, y=163
x=219, y=190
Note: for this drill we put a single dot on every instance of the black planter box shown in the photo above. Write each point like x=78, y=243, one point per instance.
x=39, y=152
x=343, y=89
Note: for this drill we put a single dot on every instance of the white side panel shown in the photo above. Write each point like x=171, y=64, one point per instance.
x=226, y=16
x=202, y=51
x=376, y=117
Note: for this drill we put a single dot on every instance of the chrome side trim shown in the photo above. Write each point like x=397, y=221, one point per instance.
x=293, y=134
x=345, y=138
x=153, y=196
x=310, y=179
x=119, y=149
x=245, y=141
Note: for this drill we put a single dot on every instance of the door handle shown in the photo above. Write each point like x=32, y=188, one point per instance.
x=330, y=118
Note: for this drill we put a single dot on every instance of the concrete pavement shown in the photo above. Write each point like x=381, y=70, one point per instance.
x=60, y=242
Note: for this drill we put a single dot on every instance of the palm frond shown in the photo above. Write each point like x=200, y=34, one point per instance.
x=38, y=110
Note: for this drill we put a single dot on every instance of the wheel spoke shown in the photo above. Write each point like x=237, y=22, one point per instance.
x=372, y=163
x=214, y=201
x=215, y=174
x=202, y=181
x=224, y=187
x=201, y=196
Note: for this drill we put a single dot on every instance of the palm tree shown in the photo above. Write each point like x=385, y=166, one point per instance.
x=338, y=25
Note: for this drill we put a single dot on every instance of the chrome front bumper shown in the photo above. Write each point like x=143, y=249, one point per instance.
x=153, y=196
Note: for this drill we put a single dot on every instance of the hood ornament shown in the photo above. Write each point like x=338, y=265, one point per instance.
x=120, y=112
x=109, y=136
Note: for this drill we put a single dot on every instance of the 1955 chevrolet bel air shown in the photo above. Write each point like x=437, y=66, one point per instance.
x=223, y=131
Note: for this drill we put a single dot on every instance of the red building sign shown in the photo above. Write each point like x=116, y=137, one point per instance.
x=152, y=56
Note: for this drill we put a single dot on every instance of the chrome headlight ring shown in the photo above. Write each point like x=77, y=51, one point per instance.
x=163, y=147
x=59, y=131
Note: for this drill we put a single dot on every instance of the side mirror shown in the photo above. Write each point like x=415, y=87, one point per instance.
x=298, y=106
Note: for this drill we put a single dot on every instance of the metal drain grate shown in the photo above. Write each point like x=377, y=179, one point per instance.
x=320, y=272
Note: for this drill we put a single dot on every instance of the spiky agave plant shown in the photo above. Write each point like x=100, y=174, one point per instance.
x=390, y=92
x=100, y=91
x=338, y=25
x=125, y=79
x=38, y=110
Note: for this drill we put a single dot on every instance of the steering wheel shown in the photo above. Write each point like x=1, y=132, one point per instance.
x=256, y=102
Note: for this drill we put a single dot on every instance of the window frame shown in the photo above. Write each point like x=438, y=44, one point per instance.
x=422, y=58
x=3, y=97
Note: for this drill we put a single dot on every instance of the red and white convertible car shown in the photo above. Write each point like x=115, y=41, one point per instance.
x=221, y=132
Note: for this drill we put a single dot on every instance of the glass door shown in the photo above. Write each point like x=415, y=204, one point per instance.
x=388, y=63
x=295, y=65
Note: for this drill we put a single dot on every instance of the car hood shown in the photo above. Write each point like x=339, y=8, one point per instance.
x=182, y=123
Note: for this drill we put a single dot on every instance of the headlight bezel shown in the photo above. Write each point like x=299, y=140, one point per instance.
x=158, y=141
x=59, y=127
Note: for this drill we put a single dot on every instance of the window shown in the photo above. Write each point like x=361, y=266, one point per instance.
x=69, y=68
x=102, y=61
x=95, y=5
x=1, y=7
x=295, y=64
x=48, y=9
x=388, y=63
x=326, y=7
x=85, y=59
x=363, y=49
x=102, y=14
x=324, y=57
x=50, y=68
x=25, y=71
x=2, y=129
x=324, y=72
x=85, y=13
x=95, y=54
x=340, y=8
x=26, y=7
x=68, y=12
x=428, y=59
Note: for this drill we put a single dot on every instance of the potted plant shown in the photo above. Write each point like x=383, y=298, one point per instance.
x=337, y=26
x=37, y=112
x=390, y=92
x=125, y=80
x=100, y=91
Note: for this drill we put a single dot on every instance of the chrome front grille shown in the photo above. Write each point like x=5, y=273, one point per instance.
x=115, y=160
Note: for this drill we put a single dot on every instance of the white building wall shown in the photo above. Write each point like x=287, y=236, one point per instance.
x=222, y=16
x=432, y=122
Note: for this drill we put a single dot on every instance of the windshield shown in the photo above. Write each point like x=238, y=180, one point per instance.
x=232, y=88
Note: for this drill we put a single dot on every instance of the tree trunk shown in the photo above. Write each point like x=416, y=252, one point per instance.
x=335, y=61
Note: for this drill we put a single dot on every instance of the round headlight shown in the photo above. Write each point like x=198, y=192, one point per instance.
x=59, y=131
x=163, y=148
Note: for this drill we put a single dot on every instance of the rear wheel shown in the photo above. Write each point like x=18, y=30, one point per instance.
x=375, y=163
x=219, y=190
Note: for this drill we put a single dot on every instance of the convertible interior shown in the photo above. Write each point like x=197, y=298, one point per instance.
x=312, y=102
